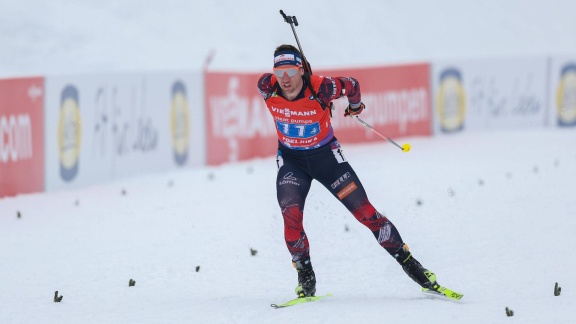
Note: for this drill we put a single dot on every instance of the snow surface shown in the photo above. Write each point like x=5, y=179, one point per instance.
x=496, y=222
x=83, y=36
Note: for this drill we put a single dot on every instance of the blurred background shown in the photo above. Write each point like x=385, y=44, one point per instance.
x=65, y=36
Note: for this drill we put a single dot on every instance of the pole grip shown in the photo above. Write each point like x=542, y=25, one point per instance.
x=289, y=19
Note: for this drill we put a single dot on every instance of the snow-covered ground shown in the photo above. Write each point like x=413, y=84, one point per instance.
x=491, y=213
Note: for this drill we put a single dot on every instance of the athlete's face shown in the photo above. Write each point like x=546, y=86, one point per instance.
x=290, y=79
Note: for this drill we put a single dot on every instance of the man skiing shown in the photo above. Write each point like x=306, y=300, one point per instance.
x=300, y=104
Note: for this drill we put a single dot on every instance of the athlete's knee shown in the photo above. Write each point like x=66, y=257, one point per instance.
x=293, y=222
x=364, y=213
x=372, y=219
x=294, y=234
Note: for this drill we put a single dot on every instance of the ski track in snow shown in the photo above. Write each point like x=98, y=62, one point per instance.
x=491, y=213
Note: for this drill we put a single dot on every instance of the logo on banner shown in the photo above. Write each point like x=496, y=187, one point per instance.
x=451, y=101
x=15, y=138
x=69, y=133
x=566, y=96
x=180, y=123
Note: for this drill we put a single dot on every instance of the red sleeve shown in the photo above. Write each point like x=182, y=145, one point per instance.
x=334, y=88
x=266, y=85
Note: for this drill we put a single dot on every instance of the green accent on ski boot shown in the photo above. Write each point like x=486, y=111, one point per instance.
x=299, y=291
x=422, y=276
x=430, y=275
x=306, y=279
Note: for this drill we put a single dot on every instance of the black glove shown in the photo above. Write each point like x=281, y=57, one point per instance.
x=354, y=111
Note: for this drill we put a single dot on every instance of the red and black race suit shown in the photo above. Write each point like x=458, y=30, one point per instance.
x=307, y=151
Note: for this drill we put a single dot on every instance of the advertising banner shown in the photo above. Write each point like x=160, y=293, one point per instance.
x=177, y=99
x=105, y=127
x=562, y=91
x=239, y=126
x=489, y=94
x=397, y=100
x=21, y=136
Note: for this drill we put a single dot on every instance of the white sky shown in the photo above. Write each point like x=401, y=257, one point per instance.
x=66, y=36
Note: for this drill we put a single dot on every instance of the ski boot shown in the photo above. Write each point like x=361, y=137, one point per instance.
x=306, y=278
x=413, y=268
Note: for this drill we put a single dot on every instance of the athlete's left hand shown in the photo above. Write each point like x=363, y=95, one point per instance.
x=354, y=111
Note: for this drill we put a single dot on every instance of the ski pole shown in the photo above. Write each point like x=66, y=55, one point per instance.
x=405, y=148
x=294, y=22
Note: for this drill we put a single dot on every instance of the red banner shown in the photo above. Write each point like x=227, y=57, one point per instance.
x=239, y=126
x=397, y=99
x=21, y=136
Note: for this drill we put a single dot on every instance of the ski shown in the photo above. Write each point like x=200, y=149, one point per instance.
x=443, y=293
x=300, y=300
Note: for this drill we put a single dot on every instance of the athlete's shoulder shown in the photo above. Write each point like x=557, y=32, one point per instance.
x=266, y=84
x=316, y=80
x=266, y=79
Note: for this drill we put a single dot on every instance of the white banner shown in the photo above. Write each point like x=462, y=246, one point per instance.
x=562, y=93
x=105, y=127
x=489, y=94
